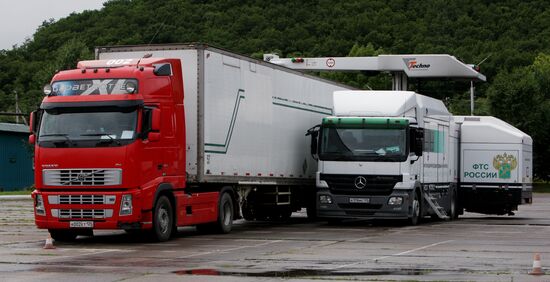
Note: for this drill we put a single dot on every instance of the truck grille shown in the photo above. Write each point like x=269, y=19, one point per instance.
x=81, y=199
x=82, y=177
x=342, y=184
x=82, y=214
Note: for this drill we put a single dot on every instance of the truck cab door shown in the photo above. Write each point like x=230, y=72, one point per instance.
x=152, y=164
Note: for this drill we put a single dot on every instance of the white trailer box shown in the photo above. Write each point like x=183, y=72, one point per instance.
x=496, y=165
x=245, y=118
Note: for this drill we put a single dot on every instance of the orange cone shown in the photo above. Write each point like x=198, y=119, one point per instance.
x=49, y=243
x=537, y=268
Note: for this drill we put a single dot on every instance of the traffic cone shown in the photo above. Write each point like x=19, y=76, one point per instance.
x=537, y=269
x=49, y=243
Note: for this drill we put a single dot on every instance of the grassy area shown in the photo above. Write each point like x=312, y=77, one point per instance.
x=23, y=192
x=541, y=187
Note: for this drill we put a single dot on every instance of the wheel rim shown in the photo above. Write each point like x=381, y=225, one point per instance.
x=164, y=220
x=226, y=214
x=416, y=210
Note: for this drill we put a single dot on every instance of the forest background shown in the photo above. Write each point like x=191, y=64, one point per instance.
x=510, y=37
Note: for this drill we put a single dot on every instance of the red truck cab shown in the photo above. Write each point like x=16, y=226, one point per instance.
x=110, y=152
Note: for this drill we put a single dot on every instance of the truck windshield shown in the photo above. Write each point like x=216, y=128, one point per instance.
x=87, y=127
x=363, y=144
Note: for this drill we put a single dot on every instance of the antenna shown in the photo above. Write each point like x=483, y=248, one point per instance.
x=472, y=88
x=157, y=32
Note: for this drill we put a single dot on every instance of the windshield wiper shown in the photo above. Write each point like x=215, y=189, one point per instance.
x=67, y=141
x=111, y=139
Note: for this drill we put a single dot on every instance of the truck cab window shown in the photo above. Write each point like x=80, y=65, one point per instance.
x=87, y=127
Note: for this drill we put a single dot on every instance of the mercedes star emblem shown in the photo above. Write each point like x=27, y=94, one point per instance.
x=360, y=182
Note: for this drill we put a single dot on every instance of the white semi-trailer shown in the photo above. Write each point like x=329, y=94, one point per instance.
x=495, y=165
x=244, y=123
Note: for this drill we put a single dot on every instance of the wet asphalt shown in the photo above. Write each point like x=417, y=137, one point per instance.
x=473, y=248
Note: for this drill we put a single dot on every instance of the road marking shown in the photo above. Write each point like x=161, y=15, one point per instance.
x=232, y=249
x=360, y=239
x=81, y=255
x=500, y=232
x=301, y=232
x=161, y=245
x=413, y=250
x=259, y=232
x=342, y=229
x=395, y=255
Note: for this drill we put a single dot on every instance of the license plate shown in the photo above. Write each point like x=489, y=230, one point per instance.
x=359, y=200
x=81, y=224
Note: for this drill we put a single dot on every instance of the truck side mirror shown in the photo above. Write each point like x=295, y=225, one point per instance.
x=150, y=128
x=417, y=141
x=314, y=132
x=155, y=119
x=33, y=126
x=33, y=122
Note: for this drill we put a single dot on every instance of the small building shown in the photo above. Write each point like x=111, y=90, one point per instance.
x=16, y=172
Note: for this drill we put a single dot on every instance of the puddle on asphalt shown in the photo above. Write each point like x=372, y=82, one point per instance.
x=299, y=273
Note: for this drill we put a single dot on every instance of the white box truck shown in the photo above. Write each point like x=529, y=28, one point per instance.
x=386, y=155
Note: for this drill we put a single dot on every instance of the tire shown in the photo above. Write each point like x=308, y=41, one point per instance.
x=416, y=211
x=163, y=220
x=63, y=235
x=452, y=212
x=225, y=214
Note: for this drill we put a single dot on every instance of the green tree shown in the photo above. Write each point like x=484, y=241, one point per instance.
x=520, y=97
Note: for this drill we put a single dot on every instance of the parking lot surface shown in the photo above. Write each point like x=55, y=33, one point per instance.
x=473, y=248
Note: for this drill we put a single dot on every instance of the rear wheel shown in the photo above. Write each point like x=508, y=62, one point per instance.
x=163, y=220
x=452, y=212
x=63, y=235
x=225, y=214
x=224, y=223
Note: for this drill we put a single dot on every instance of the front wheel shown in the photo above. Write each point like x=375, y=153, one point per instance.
x=415, y=217
x=163, y=220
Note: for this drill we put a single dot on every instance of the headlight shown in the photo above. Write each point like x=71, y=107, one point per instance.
x=47, y=89
x=130, y=87
x=395, y=201
x=126, y=205
x=39, y=205
x=325, y=199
